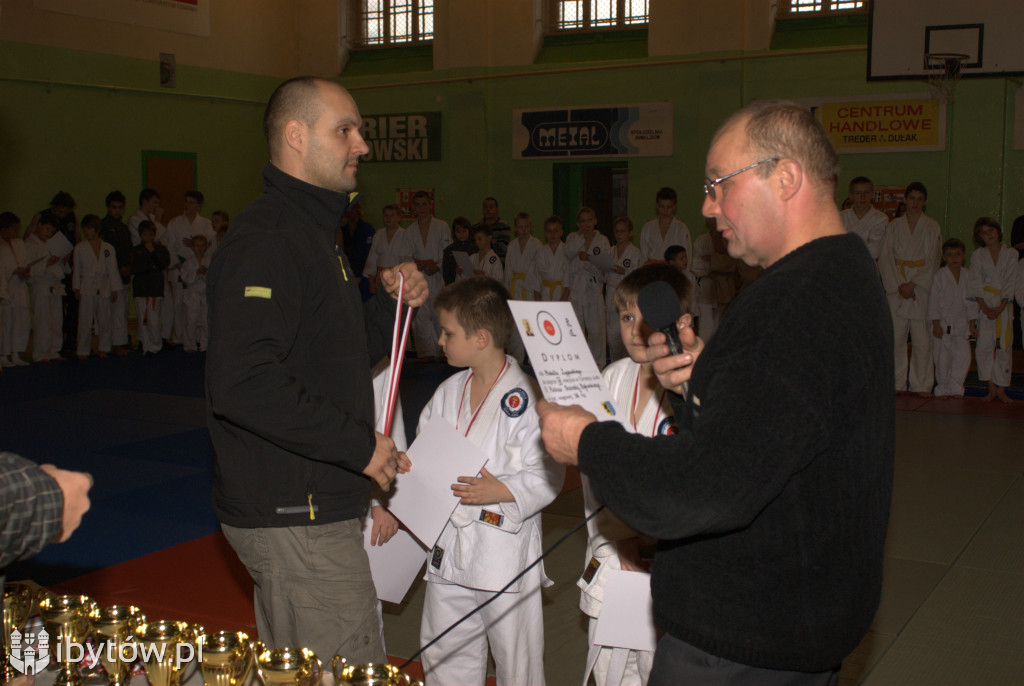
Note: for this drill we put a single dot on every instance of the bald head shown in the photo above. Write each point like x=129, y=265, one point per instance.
x=297, y=98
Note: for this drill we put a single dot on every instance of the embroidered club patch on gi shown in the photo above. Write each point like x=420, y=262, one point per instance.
x=625, y=263
x=492, y=518
x=494, y=258
x=258, y=292
x=597, y=250
x=549, y=328
x=668, y=427
x=514, y=402
x=436, y=556
x=608, y=407
x=591, y=570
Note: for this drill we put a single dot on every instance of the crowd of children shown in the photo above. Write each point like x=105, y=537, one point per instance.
x=64, y=282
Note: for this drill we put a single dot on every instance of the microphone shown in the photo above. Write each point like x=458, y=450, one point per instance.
x=659, y=306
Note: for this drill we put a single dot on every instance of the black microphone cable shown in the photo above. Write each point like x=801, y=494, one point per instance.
x=494, y=597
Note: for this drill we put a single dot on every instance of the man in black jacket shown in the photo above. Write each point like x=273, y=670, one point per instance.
x=288, y=386
x=771, y=502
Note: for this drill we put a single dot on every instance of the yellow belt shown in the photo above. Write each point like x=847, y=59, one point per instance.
x=516, y=276
x=903, y=264
x=1004, y=323
x=552, y=285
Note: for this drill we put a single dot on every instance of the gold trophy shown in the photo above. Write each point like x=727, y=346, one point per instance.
x=370, y=674
x=227, y=658
x=287, y=666
x=158, y=643
x=112, y=627
x=18, y=605
x=67, y=622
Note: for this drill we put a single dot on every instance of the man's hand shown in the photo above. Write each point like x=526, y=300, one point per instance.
x=384, y=463
x=384, y=525
x=75, y=487
x=416, y=289
x=482, y=490
x=674, y=370
x=561, y=428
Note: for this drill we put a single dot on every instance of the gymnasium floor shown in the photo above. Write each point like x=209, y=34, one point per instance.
x=952, y=610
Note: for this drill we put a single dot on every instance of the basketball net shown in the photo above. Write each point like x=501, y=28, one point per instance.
x=943, y=82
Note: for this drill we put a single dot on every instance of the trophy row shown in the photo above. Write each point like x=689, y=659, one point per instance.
x=121, y=636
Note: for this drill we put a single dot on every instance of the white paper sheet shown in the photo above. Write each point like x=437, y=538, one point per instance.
x=422, y=499
x=464, y=261
x=627, y=613
x=394, y=565
x=602, y=260
x=561, y=359
x=59, y=245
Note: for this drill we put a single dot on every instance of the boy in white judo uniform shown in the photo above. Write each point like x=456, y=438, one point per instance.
x=585, y=281
x=862, y=218
x=486, y=261
x=14, y=271
x=390, y=247
x=193, y=279
x=429, y=237
x=495, y=531
x=954, y=319
x=625, y=260
x=611, y=543
x=664, y=230
x=907, y=261
x=96, y=281
x=553, y=264
x=991, y=284
x=46, y=277
x=521, y=260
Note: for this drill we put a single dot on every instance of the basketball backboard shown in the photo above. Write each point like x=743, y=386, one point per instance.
x=903, y=32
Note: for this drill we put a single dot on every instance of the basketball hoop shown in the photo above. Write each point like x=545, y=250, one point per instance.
x=947, y=66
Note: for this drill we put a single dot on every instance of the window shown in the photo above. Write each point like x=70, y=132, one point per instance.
x=386, y=23
x=817, y=8
x=598, y=15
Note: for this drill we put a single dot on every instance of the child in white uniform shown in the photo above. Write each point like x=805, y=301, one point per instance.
x=390, y=248
x=991, y=284
x=495, y=531
x=485, y=261
x=429, y=237
x=585, y=280
x=193, y=278
x=46, y=279
x=14, y=271
x=96, y=281
x=521, y=260
x=664, y=230
x=553, y=264
x=954, y=318
x=625, y=259
x=612, y=544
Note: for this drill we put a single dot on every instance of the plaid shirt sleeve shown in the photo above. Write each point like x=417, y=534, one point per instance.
x=31, y=508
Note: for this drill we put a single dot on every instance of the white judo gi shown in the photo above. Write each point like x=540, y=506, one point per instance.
x=194, y=298
x=629, y=260
x=425, y=326
x=585, y=293
x=948, y=304
x=47, y=289
x=653, y=245
x=716, y=279
x=904, y=257
x=521, y=278
x=489, y=264
x=870, y=227
x=552, y=272
x=95, y=277
x=613, y=666
x=172, y=313
x=994, y=282
x=15, y=320
x=482, y=548
x=385, y=254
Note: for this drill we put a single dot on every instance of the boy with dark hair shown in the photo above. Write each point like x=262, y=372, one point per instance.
x=495, y=530
x=14, y=300
x=46, y=291
x=954, y=319
x=862, y=218
x=149, y=260
x=486, y=261
x=463, y=242
x=96, y=281
x=664, y=230
x=116, y=232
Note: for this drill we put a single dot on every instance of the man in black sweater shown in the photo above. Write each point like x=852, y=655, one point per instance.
x=771, y=503
x=288, y=386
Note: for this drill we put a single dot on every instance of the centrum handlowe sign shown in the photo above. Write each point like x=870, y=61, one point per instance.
x=406, y=137
x=643, y=130
x=882, y=123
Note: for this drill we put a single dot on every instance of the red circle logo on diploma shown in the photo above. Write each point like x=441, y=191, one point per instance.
x=549, y=328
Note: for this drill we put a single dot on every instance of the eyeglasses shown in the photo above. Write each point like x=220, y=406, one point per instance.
x=709, y=185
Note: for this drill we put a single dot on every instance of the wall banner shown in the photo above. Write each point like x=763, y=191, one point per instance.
x=911, y=122
x=182, y=16
x=643, y=130
x=406, y=137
